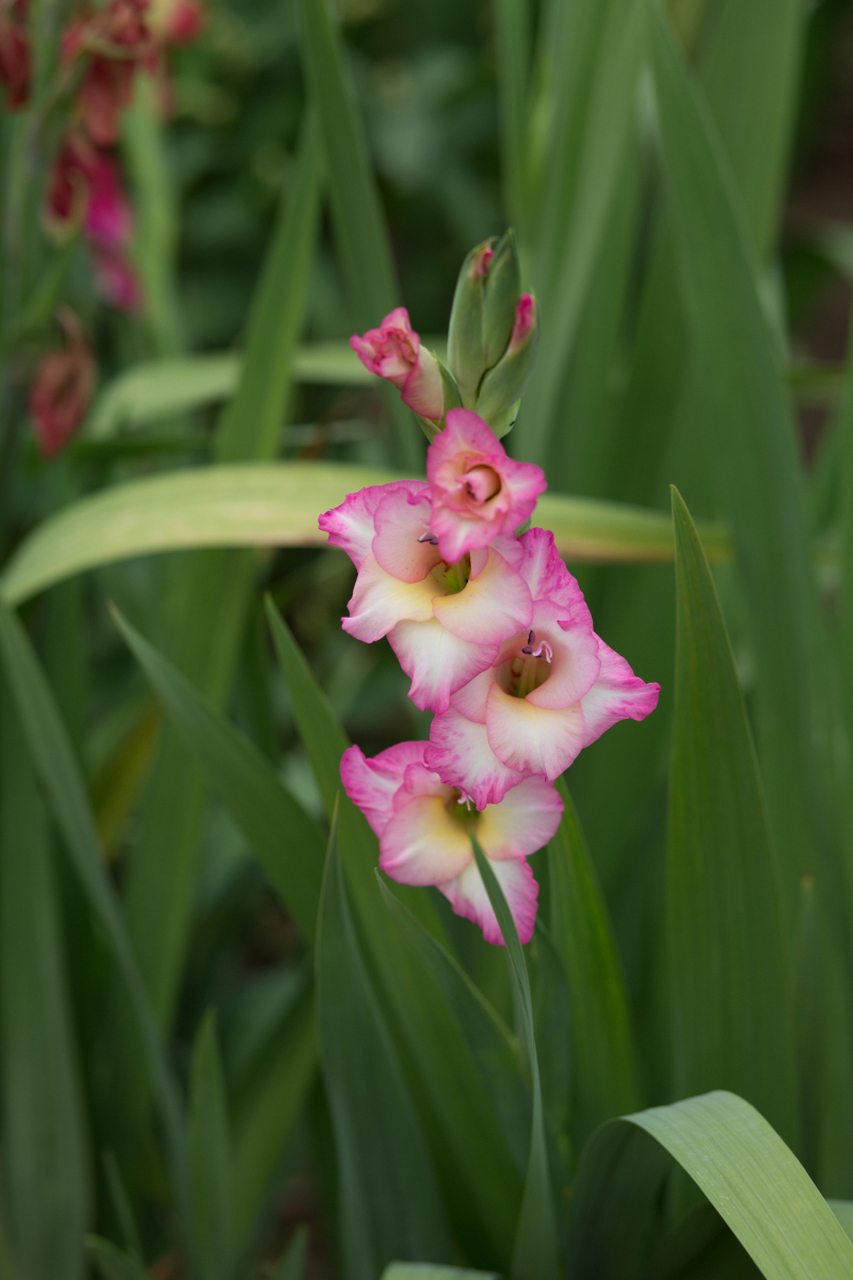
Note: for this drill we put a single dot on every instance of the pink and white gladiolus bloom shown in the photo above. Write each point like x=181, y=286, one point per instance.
x=477, y=491
x=553, y=688
x=445, y=622
x=394, y=351
x=424, y=829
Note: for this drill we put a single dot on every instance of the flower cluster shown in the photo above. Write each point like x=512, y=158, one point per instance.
x=494, y=634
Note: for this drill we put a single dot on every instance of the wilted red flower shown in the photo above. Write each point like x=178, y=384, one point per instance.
x=15, y=61
x=62, y=387
x=117, y=39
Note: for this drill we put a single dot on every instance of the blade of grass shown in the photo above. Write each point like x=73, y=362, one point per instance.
x=512, y=40
x=210, y=1155
x=536, y=1243
x=731, y=982
x=286, y=842
x=605, y=1074
x=390, y=1205
x=54, y=763
x=360, y=229
x=47, y=1164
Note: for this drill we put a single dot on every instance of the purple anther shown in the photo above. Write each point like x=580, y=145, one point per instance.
x=541, y=650
x=428, y=537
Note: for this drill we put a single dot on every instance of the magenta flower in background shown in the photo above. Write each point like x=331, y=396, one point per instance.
x=553, y=689
x=445, y=622
x=425, y=827
x=477, y=491
x=394, y=352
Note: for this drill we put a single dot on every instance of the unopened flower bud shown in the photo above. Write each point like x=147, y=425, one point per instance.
x=502, y=387
x=503, y=287
x=62, y=387
x=395, y=352
x=466, y=347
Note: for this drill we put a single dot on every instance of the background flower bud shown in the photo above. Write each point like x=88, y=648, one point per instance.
x=502, y=387
x=62, y=387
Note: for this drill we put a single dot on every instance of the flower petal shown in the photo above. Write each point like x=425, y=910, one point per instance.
x=423, y=390
x=460, y=753
x=547, y=576
x=400, y=520
x=351, y=526
x=575, y=663
x=470, y=700
x=372, y=784
x=493, y=606
x=533, y=739
x=616, y=695
x=437, y=662
x=422, y=844
x=524, y=821
x=468, y=897
x=380, y=601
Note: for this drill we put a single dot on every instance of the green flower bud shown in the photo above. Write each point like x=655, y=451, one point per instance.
x=503, y=288
x=466, y=347
x=502, y=387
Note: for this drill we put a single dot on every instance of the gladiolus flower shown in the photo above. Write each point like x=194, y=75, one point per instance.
x=445, y=621
x=117, y=39
x=553, y=689
x=424, y=829
x=394, y=351
x=15, y=60
x=176, y=21
x=62, y=388
x=477, y=492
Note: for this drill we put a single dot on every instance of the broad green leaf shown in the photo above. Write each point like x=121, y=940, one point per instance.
x=536, y=1242
x=428, y=1271
x=493, y=1045
x=46, y=1158
x=361, y=233
x=604, y=1057
x=390, y=1205
x=738, y=1161
x=745, y=419
x=513, y=20
x=211, y=1169
x=843, y=1210
x=286, y=842
x=267, y=1106
x=58, y=772
x=482, y=1182
x=277, y=504
x=731, y=983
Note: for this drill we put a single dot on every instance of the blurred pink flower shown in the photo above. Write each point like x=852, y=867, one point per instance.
x=554, y=688
x=424, y=830
x=445, y=622
x=117, y=280
x=394, y=351
x=15, y=60
x=62, y=387
x=176, y=21
x=477, y=492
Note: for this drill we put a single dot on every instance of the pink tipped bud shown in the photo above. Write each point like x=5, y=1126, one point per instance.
x=478, y=267
x=394, y=352
x=525, y=320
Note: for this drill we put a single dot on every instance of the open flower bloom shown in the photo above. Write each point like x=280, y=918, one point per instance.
x=445, y=622
x=477, y=491
x=424, y=829
x=553, y=689
x=394, y=351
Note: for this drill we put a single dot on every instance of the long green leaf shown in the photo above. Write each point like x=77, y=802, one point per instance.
x=277, y=504
x=744, y=1168
x=748, y=434
x=58, y=772
x=390, y=1205
x=286, y=842
x=732, y=994
x=536, y=1243
x=483, y=1183
x=426, y=1271
x=605, y=1072
x=211, y=1169
x=45, y=1152
x=360, y=229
